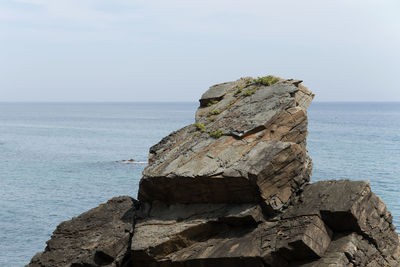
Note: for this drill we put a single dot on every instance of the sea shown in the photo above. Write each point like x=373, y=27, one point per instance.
x=58, y=160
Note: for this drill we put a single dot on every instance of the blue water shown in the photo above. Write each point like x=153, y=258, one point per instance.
x=59, y=160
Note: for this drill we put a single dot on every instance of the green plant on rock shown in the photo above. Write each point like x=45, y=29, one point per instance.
x=231, y=103
x=200, y=127
x=266, y=80
x=212, y=103
x=214, y=112
x=249, y=92
x=238, y=90
x=217, y=134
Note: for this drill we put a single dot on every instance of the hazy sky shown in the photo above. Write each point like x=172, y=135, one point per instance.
x=144, y=50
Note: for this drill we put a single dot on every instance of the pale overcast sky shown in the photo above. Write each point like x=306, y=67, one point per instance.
x=144, y=50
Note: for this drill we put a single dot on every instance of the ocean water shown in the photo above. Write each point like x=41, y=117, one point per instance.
x=59, y=160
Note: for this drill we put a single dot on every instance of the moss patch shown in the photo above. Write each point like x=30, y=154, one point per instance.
x=212, y=103
x=216, y=134
x=266, y=80
x=214, y=112
x=238, y=90
x=249, y=92
x=200, y=127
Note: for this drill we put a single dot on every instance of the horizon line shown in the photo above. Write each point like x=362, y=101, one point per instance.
x=161, y=102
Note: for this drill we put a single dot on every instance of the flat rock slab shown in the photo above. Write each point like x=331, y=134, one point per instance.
x=168, y=228
x=246, y=147
x=349, y=206
x=215, y=93
x=98, y=237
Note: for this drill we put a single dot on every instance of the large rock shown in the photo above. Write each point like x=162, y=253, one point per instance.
x=330, y=223
x=227, y=235
x=248, y=147
x=232, y=190
x=99, y=237
x=352, y=250
x=168, y=229
x=349, y=206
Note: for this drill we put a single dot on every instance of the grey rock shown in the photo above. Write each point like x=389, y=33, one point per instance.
x=215, y=93
x=223, y=242
x=351, y=250
x=98, y=237
x=261, y=155
x=169, y=228
x=349, y=206
x=239, y=198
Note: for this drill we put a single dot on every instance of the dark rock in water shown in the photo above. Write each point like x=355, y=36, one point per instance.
x=99, y=237
x=131, y=161
x=233, y=190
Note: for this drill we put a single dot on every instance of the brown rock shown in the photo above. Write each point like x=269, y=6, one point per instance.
x=232, y=190
x=98, y=237
x=170, y=228
x=237, y=241
x=260, y=154
x=349, y=206
x=351, y=250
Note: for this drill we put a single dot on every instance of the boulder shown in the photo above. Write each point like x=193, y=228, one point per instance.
x=169, y=229
x=248, y=145
x=352, y=250
x=99, y=237
x=349, y=206
x=227, y=235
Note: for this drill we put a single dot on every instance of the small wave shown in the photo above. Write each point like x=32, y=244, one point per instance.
x=132, y=162
x=136, y=162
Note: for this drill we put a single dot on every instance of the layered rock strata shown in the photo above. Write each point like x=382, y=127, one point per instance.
x=247, y=146
x=99, y=237
x=233, y=190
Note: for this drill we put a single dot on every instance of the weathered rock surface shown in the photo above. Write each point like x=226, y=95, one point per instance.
x=99, y=237
x=260, y=155
x=233, y=190
x=352, y=250
x=347, y=206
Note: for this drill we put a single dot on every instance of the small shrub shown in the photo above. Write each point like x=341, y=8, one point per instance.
x=214, y=112
x=216, y=134
x=267, y=80
x=249, y=92
x=211, y=119
x=212, y=103
x=200, y=127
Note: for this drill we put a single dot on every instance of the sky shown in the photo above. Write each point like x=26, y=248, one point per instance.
x=145, y=50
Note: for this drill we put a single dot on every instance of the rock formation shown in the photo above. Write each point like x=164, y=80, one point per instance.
x=233, y=189
x=99, y=237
